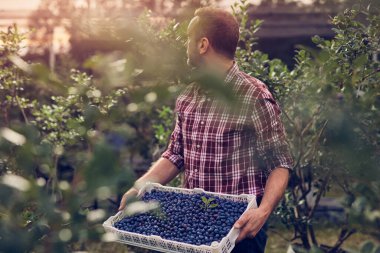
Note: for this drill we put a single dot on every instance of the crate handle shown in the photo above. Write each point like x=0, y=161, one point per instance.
x=147, y=186
x=199, y=190
x=252, y=204
x=234, y=235
x=108, y=221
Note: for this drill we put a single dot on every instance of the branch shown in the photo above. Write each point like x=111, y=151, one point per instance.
x=301, y=134
x=312, y=235
x=310, y=151
x=308, y=125
x=344, y=235
x=319, y=196
x=291, y=121
x=370, y=74
x=22, y=110
x=5, y=115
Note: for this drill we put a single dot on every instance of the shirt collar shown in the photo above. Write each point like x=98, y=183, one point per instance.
x=231, y=73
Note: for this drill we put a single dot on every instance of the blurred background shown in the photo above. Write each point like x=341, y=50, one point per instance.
x=68, y=26
x=87, y=92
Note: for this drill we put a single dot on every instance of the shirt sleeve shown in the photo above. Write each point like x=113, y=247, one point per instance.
x=271, y=143
x=174, y=152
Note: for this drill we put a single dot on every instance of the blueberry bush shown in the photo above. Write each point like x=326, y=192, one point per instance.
x=330, y=107
x=70, y=139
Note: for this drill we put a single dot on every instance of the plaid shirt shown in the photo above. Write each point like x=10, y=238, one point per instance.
x=229, y=152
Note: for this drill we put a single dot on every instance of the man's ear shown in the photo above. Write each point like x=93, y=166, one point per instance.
x=203, y=45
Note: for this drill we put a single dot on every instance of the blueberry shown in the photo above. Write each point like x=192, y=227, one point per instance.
x=182, y=219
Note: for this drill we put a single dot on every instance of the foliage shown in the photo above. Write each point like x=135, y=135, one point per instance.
x=369, y=247
x=67, y=145
x=11, y=82
x=164, y=129
x=272, y=72
x=330, y=104
x=332, y=113
x=207, y=203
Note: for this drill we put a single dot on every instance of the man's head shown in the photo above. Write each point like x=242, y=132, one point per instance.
x=211, y=32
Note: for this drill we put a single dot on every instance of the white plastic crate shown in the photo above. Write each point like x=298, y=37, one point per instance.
x=159, y=244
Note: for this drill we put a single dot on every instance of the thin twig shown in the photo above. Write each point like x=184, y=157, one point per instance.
x=342, y=238
x=22, y=110
x=370, y=74
x=319, y=196
x=291, y=121
x=312, y=150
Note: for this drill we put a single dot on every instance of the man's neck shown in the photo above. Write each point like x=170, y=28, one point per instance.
x=218, y=65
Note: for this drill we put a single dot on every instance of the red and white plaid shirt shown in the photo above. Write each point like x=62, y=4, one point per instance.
x=229, y=152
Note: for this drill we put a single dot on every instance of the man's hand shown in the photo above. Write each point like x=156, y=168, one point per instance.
x=254, y=219
x=129, y=194
x=250, y=223
x=162, y=172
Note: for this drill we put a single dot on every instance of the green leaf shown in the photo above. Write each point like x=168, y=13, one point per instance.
x=213, y=205
x=360, y=61
x=205, y=200
x=367, y=247
x=324, y=56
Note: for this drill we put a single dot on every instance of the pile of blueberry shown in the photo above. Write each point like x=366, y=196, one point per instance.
x=198, y=219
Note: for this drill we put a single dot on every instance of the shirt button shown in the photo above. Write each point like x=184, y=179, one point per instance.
x=196, y=170
x=209, y=99
x=198, y=146
x=202, y=122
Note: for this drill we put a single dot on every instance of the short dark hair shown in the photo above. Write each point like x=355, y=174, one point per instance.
x=220, y=27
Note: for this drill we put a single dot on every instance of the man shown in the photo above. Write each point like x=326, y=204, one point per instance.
x=220, y=151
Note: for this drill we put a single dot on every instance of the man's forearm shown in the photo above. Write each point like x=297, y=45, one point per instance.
x=162, y=171
x=274, y=189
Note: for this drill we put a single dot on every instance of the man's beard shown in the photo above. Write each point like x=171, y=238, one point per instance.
x=194, y=61
x=191, y=62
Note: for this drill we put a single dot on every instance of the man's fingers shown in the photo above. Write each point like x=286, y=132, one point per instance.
x=241, y=221
x=132, y=192
x=249, y=230
x=245, y=226
x=123, y=202
x=243, y=233
x=250, y=224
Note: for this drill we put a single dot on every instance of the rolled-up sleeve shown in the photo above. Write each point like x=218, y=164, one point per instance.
x=271, y=143
x=174, y=152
